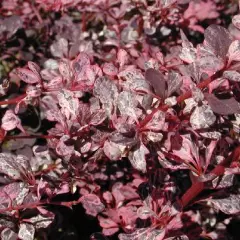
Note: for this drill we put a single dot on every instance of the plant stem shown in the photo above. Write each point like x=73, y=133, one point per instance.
x=13, y=100
x=219, y=170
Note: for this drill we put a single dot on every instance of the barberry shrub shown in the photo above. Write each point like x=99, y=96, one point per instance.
x=130, y=109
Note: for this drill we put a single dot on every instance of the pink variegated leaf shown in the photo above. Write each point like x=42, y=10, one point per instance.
x=34, y=67
x=79, y=66
x=127, y=104
x=224, y=181
x=98, y=117
x=188, y=151
x=13, y=166
x=122, y=57
x=62, y=149
x=210, y=64
x=68, y=102
x=188, y=53
x=10, y=121
x=143, y=234
x=65, y=69
x=232, y=75
x=107, y=222
x=41, y=221
x=137, y=158
x=157, y=122
x=110, y=69
x=92, y=204
x=234, y=51
x=106, y=91
x=202, y=117
x=28, y=76
x=145, y=212
x=112, y=150
x=26, y=231
x=8, y=234
x=13, y=193
x=59, y=48
x=236, y=21
x=174, y=83
x=229, y=205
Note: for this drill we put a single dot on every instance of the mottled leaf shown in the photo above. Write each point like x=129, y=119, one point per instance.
x=26, y=231
x=202, y=117
x=28, y=76
x=68, y=102
x=127, y=104
x=92, y=204
x=110, y=69
x=236, y=21
x=8, y=234
x=229, y=205
x=234, y=51
x=232, y=75
x=137, y=158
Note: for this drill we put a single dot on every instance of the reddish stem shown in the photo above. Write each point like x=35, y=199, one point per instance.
x=219, y=170
x=13, y=100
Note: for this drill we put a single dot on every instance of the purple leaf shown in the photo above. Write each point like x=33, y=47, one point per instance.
x=223, y=106
x=157, y=80
x=218, y=39
x=229, y=205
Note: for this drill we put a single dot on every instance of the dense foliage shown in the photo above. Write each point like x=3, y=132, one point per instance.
x=127, y=108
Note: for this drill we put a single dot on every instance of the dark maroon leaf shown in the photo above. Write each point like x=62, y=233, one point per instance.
x=218, y=39
x=223, y=106
x=157, y=81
